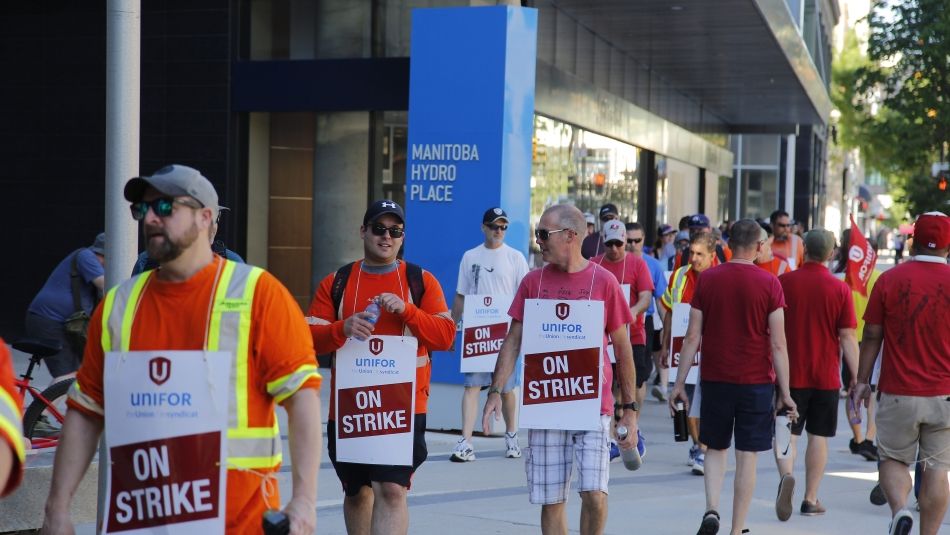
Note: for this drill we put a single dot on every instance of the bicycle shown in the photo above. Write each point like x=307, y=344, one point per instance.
x=46, y=413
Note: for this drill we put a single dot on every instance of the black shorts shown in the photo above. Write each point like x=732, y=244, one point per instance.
x=746, y=410
x=817, y=411
x=354, y=476
x=652, y=335
x=643, y=363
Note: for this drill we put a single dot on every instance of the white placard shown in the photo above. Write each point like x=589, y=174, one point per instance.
x=485, y=323
x=166, y=416
x=562, y=348
x=625, y=288
x=376, y=400
x=679, y=323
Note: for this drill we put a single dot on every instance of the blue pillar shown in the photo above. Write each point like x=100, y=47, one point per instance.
x=471, y=119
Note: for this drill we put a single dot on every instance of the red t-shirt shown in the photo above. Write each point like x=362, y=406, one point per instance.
x=912, y=302
x=550, y=282
x=818, y=305
x=634, y=271
x=736, y=300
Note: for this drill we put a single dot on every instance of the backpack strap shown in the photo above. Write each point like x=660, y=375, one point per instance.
x=339, y=285
x=74, y=281
x=417, y=286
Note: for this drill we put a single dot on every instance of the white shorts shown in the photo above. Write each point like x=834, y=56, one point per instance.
x=551, y=455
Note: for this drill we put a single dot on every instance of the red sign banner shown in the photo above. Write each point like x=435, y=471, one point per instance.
x=483, y=340
x=861, y=261
x=161, y=482
x=677, y=347
x=562, y=376
x=375, y=410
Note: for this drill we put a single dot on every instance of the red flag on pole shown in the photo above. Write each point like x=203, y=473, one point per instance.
x=861, y=261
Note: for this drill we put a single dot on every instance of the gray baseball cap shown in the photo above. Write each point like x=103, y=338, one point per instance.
x=175, y=180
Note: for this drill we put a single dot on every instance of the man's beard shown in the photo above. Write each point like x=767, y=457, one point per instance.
x=168, y=250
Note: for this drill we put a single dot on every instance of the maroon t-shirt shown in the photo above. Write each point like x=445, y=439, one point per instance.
x=912, y=302
x=736, y=300
x=818, y=305
x=631, y=270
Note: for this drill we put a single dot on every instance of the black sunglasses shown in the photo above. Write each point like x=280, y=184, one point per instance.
x=493, y=227
x=634, y=240
x=614, y=243
x=162, y=207
x=543, y=234
x=394, y=232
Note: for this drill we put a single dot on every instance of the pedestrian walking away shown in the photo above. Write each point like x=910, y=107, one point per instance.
x=907, y=314
x=569, y=290
x=738, y=312
x=819, y=325
x=380, y=295
x=61, y=309
x=493, y=268
x=180, y=356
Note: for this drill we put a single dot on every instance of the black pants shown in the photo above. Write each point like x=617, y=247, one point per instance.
x=67, y=360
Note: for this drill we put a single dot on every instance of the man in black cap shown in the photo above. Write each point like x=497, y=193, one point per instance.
x=492, y=268
x=593, y=244
x=411, y=303
x=68, y=296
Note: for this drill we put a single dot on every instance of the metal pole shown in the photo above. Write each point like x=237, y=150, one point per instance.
x=123, y=59
x=790, y=175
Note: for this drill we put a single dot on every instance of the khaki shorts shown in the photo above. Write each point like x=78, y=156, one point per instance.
x=905, y=423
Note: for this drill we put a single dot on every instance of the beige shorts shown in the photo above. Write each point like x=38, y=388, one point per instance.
x=905, y=423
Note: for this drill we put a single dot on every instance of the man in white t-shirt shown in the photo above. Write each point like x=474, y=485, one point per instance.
x=490, y=268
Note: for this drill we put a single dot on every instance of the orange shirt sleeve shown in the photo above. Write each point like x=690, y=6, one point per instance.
x=11, y=407
x=430, y=322
x=727, y=252
x=86, y=393
x=326, y=330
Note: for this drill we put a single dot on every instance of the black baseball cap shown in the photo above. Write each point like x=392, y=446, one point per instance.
x=383, y=207
x=494, y=214
x=608, y=209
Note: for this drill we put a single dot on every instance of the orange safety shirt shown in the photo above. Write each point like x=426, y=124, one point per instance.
x=775, y=266
x=11, y=407
x=173, y=316
x=428, y=321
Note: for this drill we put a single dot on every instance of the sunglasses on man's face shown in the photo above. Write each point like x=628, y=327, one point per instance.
x=632, y=241
x=394, y=232
x=543, y=234
x=163, y=207
x=493, y=227
x=614, y=243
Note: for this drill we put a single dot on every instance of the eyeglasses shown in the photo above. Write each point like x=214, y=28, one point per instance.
x=162, y=207
x=632, y=241
x=614, y=243
x=493, y=227
x=543, y=234
x=394, y=232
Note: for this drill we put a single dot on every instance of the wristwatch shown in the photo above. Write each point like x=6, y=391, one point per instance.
x=494, y=390
x=633, y=405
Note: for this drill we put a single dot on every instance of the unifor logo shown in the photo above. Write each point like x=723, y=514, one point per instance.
x=159, y=370
x=375, y=346
x=487, y=300
x=855, y=253
x=562, y=310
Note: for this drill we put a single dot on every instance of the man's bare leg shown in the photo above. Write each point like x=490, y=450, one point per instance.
x=593, y=512
x=553, y=519
x=358, y=512
x=390, y=509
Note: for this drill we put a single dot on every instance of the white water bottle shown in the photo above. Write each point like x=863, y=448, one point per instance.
x=631, y=457
x=783, y=436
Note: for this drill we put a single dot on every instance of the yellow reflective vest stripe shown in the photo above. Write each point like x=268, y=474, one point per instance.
x=674, y=292
x=229, y=330
x=11, y=424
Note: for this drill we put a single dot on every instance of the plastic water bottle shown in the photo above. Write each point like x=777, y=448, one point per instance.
x=373, y=310
x=854, y=412
x=680, y=427
x=783, y=436
x=631, y=457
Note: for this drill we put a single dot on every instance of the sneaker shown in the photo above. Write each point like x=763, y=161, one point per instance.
x=868, y=450
x=812, y=509
x=877, y=496
x=658, y=393
x=853, y=446
x=783, y=499
x=710, y=524
x=464, y=452
x=641, y=445
x=511, y=444
x=693, y=452
x=614, y=452
x=699, y=465
x=902, y=523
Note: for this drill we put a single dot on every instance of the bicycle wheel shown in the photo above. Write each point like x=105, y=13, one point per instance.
x=39, y=421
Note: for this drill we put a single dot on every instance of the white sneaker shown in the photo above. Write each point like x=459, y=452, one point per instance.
x=511, y=443
x=658, y=393
x=902, y=523
x=699, y=464
x=693, y=452
x=463, y=452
